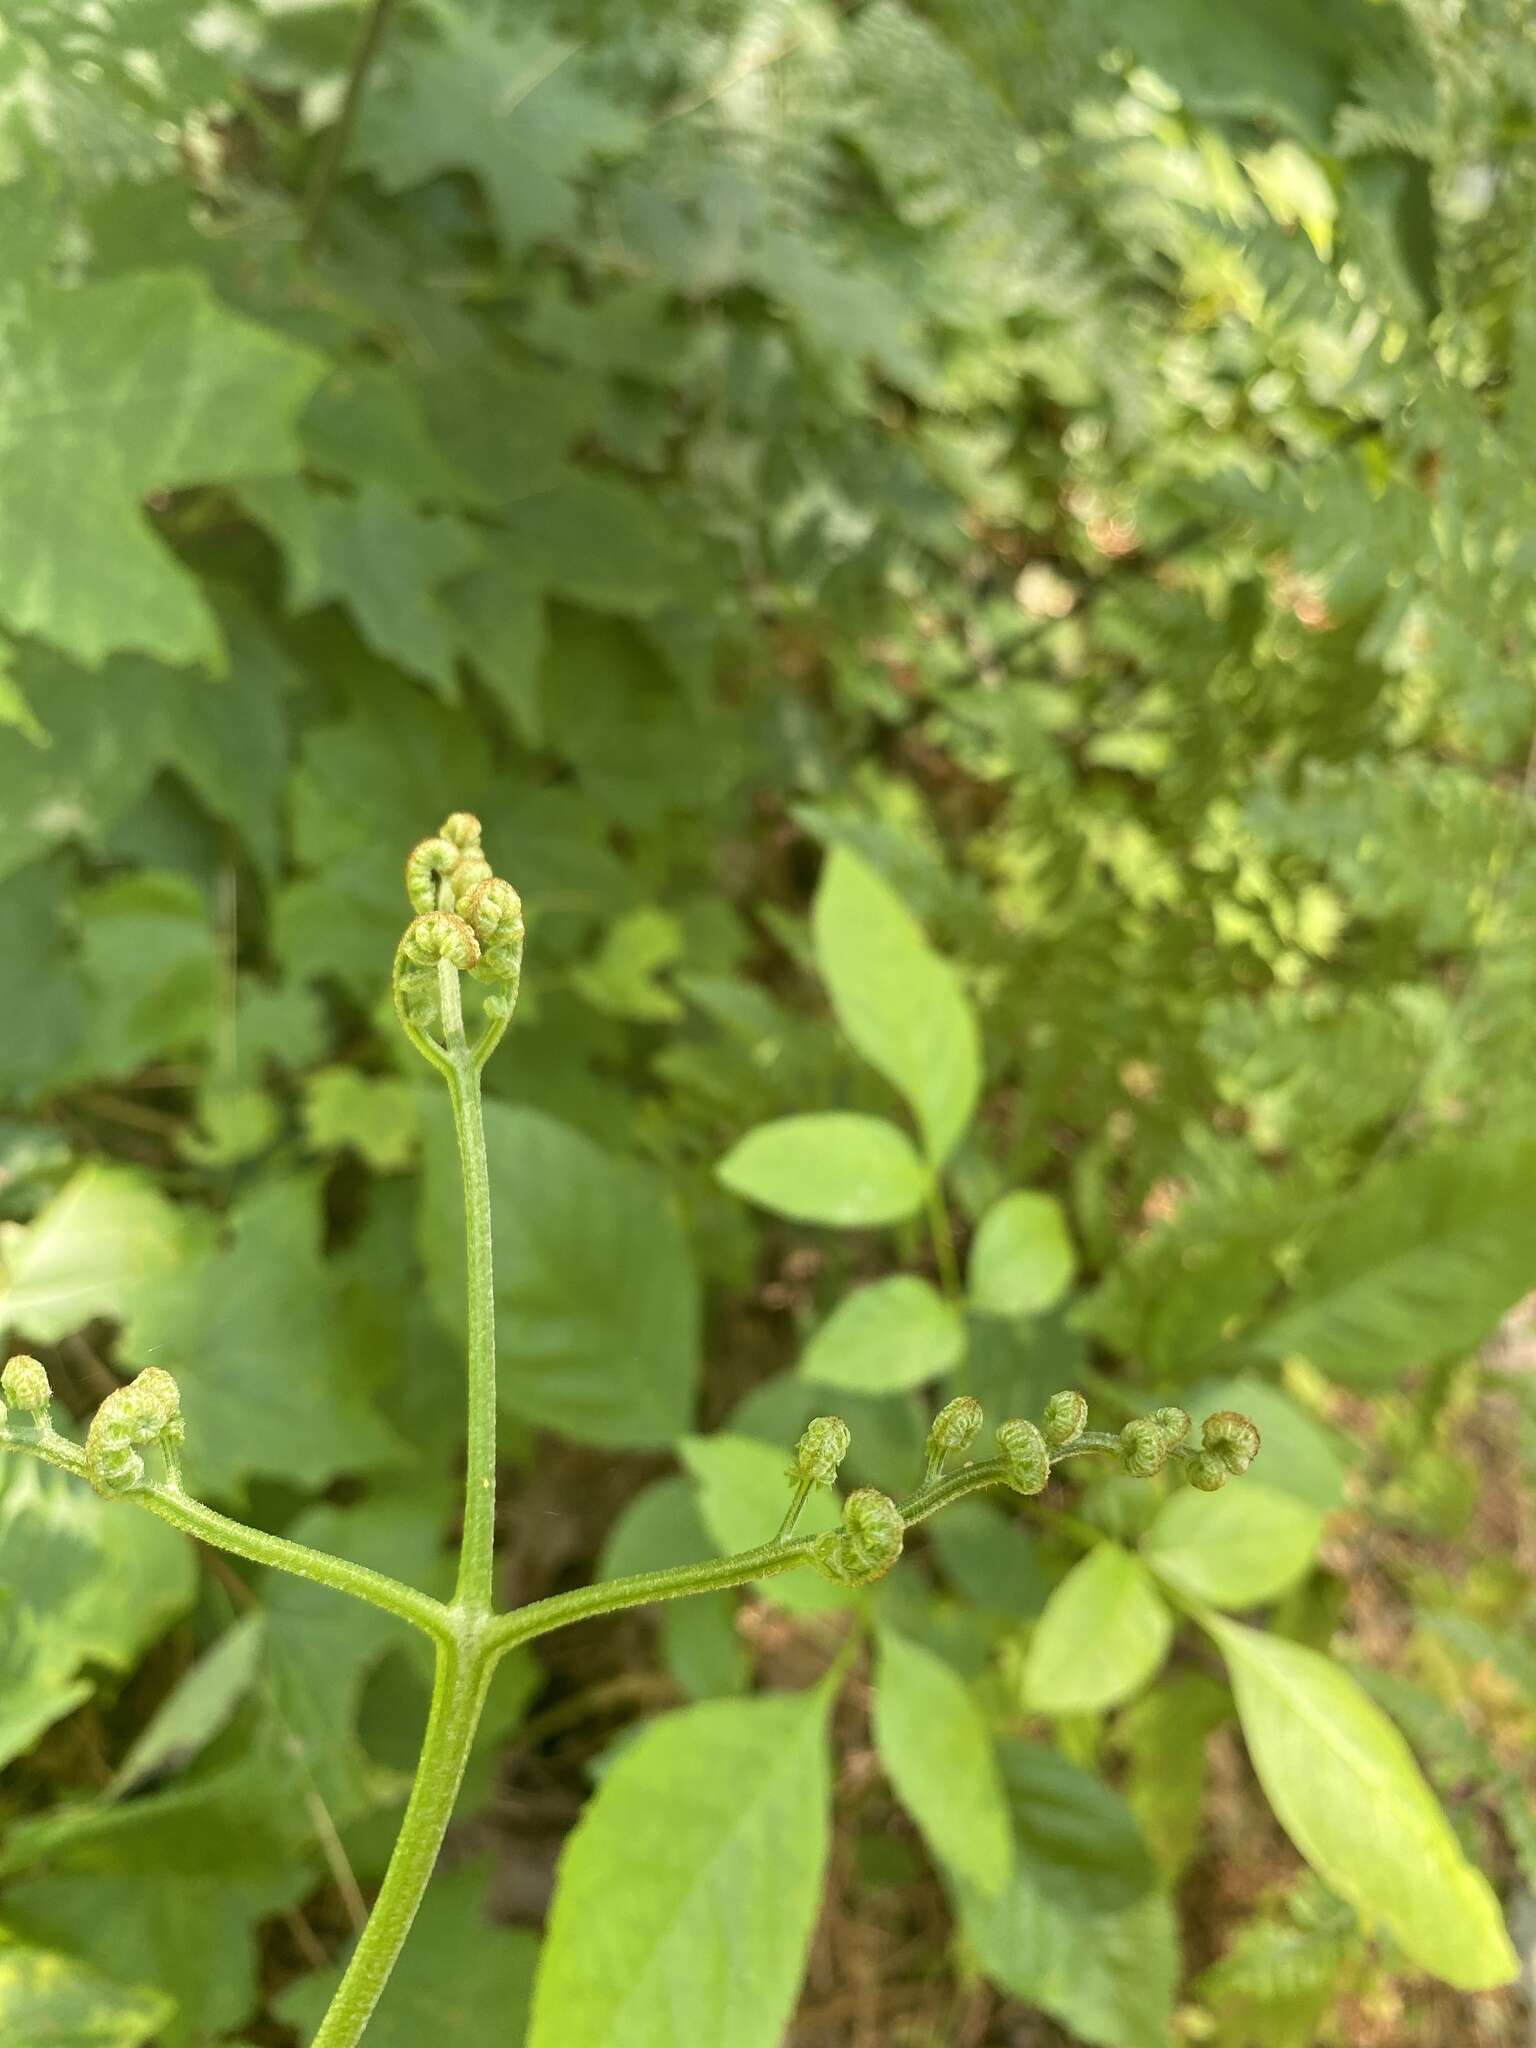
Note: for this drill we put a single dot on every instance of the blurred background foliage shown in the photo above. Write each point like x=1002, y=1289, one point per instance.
x=1080, y=460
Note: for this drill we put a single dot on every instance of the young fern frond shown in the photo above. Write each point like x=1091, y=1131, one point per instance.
x=469, y=921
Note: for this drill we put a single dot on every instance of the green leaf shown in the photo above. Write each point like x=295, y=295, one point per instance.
x=196, y=1709
x=83, y=1582
x=519, y=109
x=168, y=1887
x=1163, y=1735
x=376, y=1118
x=111, y=392
x=689, y=1889
x=597, y=1301
x=149, y=954
x=743, y=1493
x=382, y=560
x=1347, y=1791
x=1022, y=1260
x=991, y=1559
x=1235, y=1548
x=106, y=1235
x=319, y=1647
x=454, y=1973
x=48, y=2001
x=621, y=979
x=849, y=1171
x=365, y=426
x=882, y=1339
x=1417, y=1264
x=254, y=1325
x=1104, y=1632
x=901, y=1005
x=1082, y=1929
x=938, y=1753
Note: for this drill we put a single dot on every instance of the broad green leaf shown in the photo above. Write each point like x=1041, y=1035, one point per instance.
x=48, y=1999
x=1163, y=1735
x=901, y=1005
x=937, y=1751
x=1022, y=1260
x=319, y=1648
x=201, y=1703
x=365, y=426
x=1418, y=1264
x=255, y=1326
x=168, y=1888
x=378, y=1119
x=621, y=978
x=1347, y=1791
x=990, y=1558
x=689, y=1889
x=378, y=557
x=15, y=711
x=641, y=746
x=83, y=1582
x=111, y=392
x=520, y=109
x=1104, y=1632
x=460, y=1979
x=228, y=737
x=743, y=1493
x=882, y=1339
x=597, y=1301
x=149, y=954
x=849, y=1171
x=1083, y=1928
x=107, y=1234
x=1235, y=1548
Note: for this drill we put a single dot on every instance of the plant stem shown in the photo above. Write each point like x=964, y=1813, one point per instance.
x=943, y=1241
x=477, y=1552
x=713, y=1575
x=339, y=1573
x=478, y=1543
x=333, y=151
x=458, y=1698
x=258, y=1546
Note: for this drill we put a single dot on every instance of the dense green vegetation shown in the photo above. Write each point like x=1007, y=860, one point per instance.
x=975, y=562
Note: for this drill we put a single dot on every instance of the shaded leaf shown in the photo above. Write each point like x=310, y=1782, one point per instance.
x=597, y=1302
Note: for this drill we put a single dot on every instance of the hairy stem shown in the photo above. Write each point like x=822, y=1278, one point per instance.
x=458, y=1699
x=333, y=151
x=714, y=1575
x=476, y=1556
x=256, y=1545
